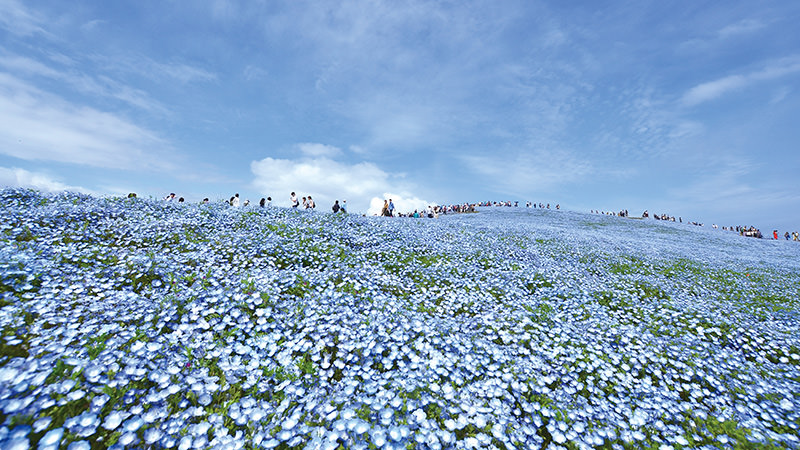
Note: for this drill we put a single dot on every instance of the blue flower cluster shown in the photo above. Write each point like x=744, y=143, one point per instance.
x=133, y=323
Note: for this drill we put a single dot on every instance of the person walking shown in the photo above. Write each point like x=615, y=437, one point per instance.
x=343, y=207
x=391, y=208
x=336, y=206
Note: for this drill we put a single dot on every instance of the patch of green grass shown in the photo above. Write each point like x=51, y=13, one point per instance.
x=540, y=313
x=610, y=300
x=95, y=345
x=305, y=365
x=628, y=266
x=537, y=282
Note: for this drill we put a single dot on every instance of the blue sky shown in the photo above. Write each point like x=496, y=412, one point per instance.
x=686, y=108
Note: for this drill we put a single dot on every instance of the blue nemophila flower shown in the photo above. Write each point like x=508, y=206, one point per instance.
x=79, y=445
x=358, y=326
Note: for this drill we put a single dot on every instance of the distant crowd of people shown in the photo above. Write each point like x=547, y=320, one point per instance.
x=433, y=211
x=266, y=202
x=515, y=204
x=742, y=230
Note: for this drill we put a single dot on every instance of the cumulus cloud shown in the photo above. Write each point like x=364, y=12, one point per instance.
x=36, y=125
x=402, y=204
x=15, y=177
x=315, y=172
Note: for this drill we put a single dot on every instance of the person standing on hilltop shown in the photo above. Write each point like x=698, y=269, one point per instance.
x=391, y=208
x=311, y=204
x=385, y=209
x=295, y=203
x=235, y=201
x=336, y=206
x=343, y=207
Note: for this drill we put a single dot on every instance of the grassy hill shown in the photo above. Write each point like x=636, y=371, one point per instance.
x=136, y=323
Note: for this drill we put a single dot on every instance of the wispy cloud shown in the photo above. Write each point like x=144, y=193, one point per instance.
x=318, y=150
x=149, y=68
x=531, y=171
x=726, y=186
x=20, y=20
x=252, y=73
x=36, y=125
x=100, y=85
x=409, y=75
x=92, y=24
x=714, y=89
x=742, y=27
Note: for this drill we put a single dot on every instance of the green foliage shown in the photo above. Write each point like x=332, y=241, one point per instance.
x=280, y=374
x=95, y=345
x=610, y=300
x=537, y=282
x=540, y=313
x=306, y=366
x=628, y=266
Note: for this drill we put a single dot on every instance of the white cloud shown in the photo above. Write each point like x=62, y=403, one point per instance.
x=402, y=204
x=15, y=177
x=325, y=179
x=714, y=89
x=36, y=125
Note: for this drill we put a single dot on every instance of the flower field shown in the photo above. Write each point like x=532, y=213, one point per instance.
x=133, y=323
